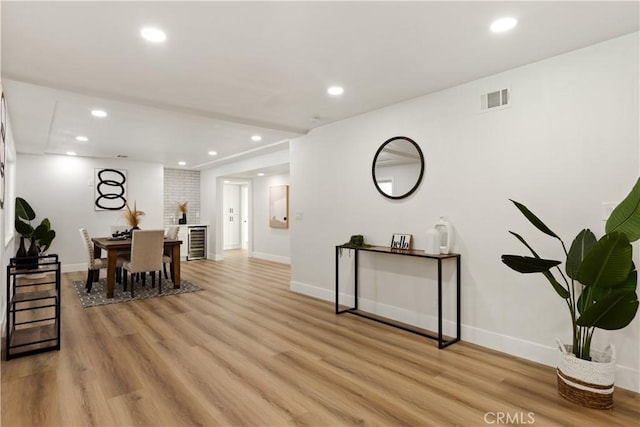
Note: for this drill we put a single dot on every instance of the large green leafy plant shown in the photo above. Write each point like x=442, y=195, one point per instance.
x=42, y=235
x=599, y=279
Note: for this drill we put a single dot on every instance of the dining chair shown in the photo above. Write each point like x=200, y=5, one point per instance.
x=146, y=257
x=172, y=233
x=95, y=264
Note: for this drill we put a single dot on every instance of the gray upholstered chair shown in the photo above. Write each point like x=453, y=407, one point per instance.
x=146, y=256
x=172, y=233
x=94, y=264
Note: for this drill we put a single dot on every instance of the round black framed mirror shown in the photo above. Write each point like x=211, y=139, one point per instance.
x=398, y=167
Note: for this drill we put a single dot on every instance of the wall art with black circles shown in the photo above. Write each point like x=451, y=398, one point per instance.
x=111, y=189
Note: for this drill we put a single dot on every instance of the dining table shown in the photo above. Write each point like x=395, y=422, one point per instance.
x=113, y=246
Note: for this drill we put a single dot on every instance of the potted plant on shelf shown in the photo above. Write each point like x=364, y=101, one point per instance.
x=132, y=216
x=599, y=287
x=355, y=241
x=40, y=237
x=182, y=207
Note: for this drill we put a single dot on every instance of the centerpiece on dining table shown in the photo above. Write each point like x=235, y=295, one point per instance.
x=132, y=216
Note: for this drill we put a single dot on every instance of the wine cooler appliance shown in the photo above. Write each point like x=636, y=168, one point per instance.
x=197, y=243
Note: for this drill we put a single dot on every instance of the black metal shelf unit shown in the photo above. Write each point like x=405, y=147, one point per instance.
x=439, y=336
x=33, y=306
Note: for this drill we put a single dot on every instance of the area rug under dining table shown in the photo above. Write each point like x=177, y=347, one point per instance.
x=98, y=294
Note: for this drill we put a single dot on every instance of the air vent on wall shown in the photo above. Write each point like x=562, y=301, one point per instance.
x=495, y=100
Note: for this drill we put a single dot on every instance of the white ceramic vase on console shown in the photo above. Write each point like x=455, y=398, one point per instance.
x=433, y=242
x=445, y=235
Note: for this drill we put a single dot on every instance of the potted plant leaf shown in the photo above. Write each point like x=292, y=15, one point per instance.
x=40, y=237
x=598, y=285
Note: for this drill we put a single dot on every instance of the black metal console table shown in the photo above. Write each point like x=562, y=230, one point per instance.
x=33, y=306
x=442, y=343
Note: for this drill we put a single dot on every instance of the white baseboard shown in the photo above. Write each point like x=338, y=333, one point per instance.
x=313, y=291
x=626, y=377
x=274, y=258
x=215, y=257
x=69, y=268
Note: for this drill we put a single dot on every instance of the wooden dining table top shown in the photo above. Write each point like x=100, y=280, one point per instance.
x=108, y=243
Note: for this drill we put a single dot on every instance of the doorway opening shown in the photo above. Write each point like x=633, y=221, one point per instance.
x=236, y=216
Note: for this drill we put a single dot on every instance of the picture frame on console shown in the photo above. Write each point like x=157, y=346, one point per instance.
x=401, y=241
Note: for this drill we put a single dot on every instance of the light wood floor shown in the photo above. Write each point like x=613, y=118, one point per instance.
x=247, y=351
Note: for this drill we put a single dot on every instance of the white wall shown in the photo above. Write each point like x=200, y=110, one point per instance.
x=211, y=190
x=61, y=188
x=569, y=142
x=7, y=229
x=273, y=244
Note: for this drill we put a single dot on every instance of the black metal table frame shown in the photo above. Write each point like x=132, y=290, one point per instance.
x=415, y=253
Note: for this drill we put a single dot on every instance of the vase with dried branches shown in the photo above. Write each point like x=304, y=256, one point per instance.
x=182, y=207
x=132, y=216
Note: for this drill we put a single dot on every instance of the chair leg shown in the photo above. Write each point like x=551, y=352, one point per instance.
x=124, y=285
x=164, y=265
x=133, y=285
x=89, y=283
x=160, y=280
x=153, y=279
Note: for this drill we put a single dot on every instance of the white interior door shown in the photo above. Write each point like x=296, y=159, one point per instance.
x=244, y=213
x=232, y=218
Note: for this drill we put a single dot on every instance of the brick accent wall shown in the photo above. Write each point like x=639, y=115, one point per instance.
x=181, y=185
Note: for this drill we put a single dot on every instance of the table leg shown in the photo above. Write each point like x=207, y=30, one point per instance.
x=175, y=265
x=112, y=257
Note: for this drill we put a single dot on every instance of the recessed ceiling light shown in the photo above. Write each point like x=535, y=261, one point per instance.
x=256, y=138
x=260, y=174
x=212, y=153
x=335, y=90
x=98, y=113
x=182, y=163
x=503, y=24
x=154, y=35
x=82, y=138
x=71, y=153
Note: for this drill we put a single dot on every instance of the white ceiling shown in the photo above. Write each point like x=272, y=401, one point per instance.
x=229, y=70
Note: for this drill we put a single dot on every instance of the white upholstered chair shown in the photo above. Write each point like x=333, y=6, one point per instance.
x=94, y=264
x=171, y=233
x=146, y=256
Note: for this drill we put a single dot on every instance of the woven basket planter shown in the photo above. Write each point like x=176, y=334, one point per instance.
x=587, y=383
